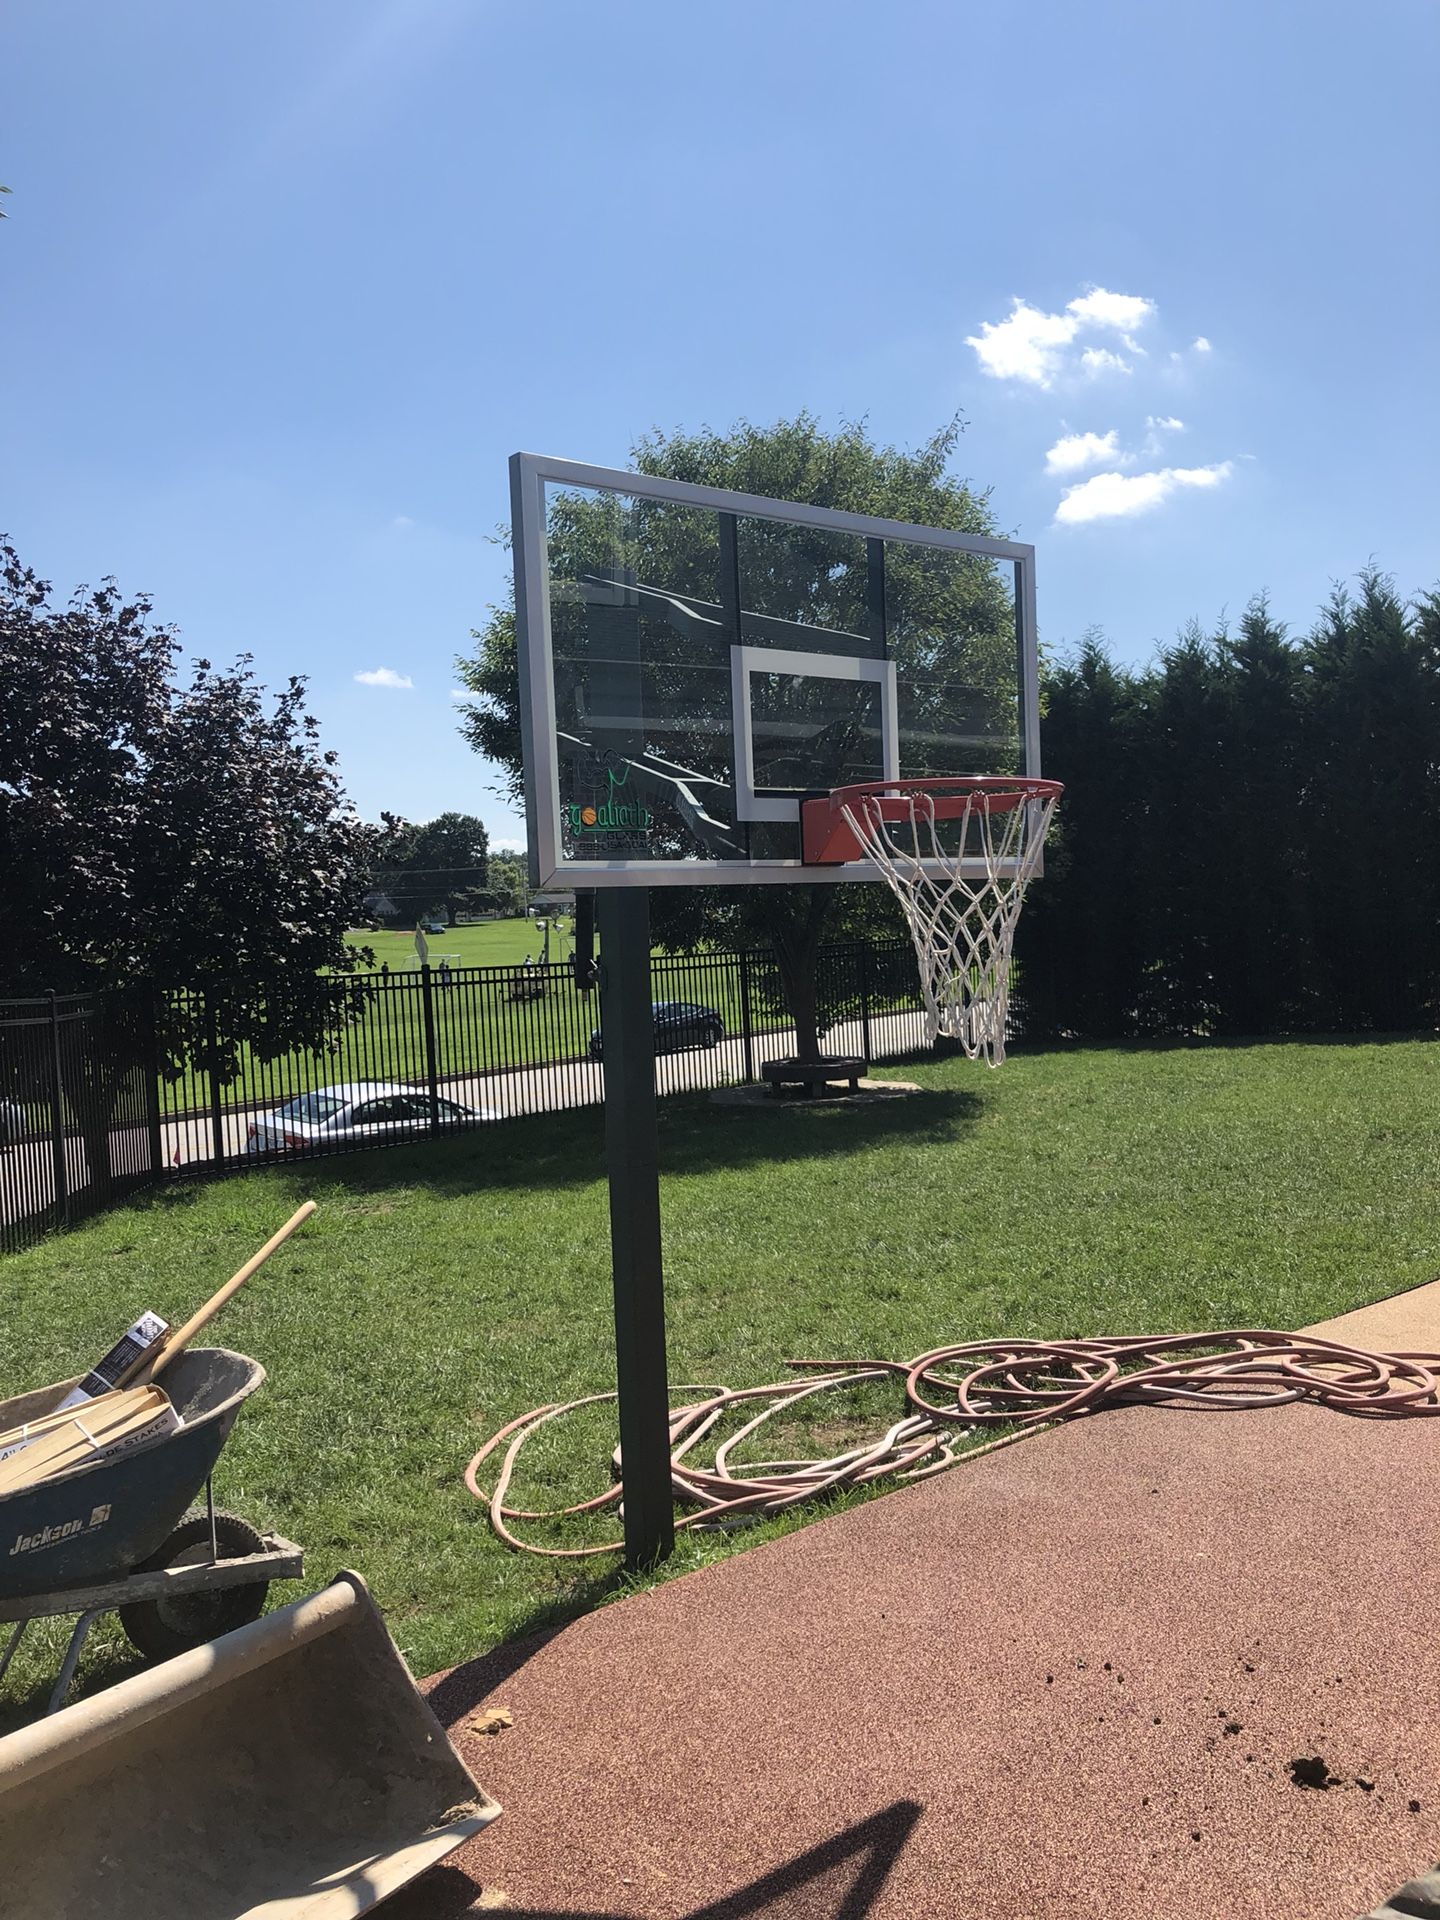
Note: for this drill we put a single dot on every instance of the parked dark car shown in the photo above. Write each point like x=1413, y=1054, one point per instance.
x=678, y=1024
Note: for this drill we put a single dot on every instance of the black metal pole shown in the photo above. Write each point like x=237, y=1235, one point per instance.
x=633, y=1165
x=150, y=1001
x=217, y=1104
x=746, y=1022
x=432, y=1069
x=865, y=1004
x=58, y=1153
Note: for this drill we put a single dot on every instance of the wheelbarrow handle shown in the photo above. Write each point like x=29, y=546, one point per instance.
x=149, y=1366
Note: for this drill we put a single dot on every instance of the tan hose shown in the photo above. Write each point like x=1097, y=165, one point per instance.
x=1019, y=1384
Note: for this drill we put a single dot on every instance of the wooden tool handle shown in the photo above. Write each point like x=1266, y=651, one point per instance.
x=150, y=1366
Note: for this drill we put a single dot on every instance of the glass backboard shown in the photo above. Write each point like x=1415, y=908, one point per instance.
x=694, y=664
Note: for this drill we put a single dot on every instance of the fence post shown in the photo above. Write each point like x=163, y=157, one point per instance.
x=152, y=1080
x=217, y=1112
x=746, y=1023
x=427, y=1005
x=865, y=1004
x=59, y=1160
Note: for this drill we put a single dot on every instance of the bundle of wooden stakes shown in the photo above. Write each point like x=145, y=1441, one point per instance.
x=80, y=1436
x=108, y=1416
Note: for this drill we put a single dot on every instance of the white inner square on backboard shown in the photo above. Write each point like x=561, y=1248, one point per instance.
x=747, y=661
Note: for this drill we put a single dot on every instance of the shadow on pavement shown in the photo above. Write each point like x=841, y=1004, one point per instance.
x=839, y=1880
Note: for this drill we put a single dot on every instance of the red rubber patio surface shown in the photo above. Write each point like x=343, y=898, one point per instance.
x=1066, y=1681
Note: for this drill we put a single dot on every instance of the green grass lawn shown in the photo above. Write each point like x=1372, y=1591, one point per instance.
x=445, y=1287
x=494, y=943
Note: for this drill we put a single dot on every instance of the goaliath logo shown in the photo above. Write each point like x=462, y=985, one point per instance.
x=614, y=814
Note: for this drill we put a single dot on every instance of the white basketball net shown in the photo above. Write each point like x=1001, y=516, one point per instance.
x=962, y=923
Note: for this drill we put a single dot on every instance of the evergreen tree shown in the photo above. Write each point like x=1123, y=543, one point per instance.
x=1374, y=818
x=1264, y=932
x=1181, y=850
x=1079, y=951
x=1250, y=836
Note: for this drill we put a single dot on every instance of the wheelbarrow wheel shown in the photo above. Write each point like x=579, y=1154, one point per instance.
x=159, y=1629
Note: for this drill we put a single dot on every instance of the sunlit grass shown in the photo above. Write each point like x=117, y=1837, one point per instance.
x=490, y=943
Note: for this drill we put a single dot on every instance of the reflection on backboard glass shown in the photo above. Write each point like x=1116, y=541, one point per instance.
x=700, y=670
x=802, y=727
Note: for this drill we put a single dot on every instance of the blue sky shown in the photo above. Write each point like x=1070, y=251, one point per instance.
x=285, y=284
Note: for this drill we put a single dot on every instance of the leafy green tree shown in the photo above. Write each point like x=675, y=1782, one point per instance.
x=508, y=883
x=174, y=830
x=433, y=867
x=934, y=598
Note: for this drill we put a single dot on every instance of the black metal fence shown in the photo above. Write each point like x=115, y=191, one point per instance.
x=91, y=1112
x=80, y=1120
x=498, y=1042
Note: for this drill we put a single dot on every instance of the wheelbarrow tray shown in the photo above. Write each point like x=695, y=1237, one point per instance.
x=96, y=1523
x=287, y=1771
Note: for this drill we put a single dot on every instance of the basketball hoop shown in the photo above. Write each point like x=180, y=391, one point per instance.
x=958, y=855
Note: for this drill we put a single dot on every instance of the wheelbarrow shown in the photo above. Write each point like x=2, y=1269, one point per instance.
x=111, y=1536
x=288, y=1771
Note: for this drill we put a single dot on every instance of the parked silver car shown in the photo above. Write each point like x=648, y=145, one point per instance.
x=360, y=1110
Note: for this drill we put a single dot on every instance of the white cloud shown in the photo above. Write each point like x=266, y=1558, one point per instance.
x=401, y=521
x=1117, y=496
x=1073, y=451
x=1030, y=344
x=384, y=677
x=1098, y=360
x=1157, y=425
x=459, y=694
x=1121, y=312
x=1200, y=344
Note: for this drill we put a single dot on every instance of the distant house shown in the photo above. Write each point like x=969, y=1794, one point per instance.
x=379, y=906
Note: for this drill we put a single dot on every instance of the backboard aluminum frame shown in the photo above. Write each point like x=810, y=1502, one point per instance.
x=528, y=474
